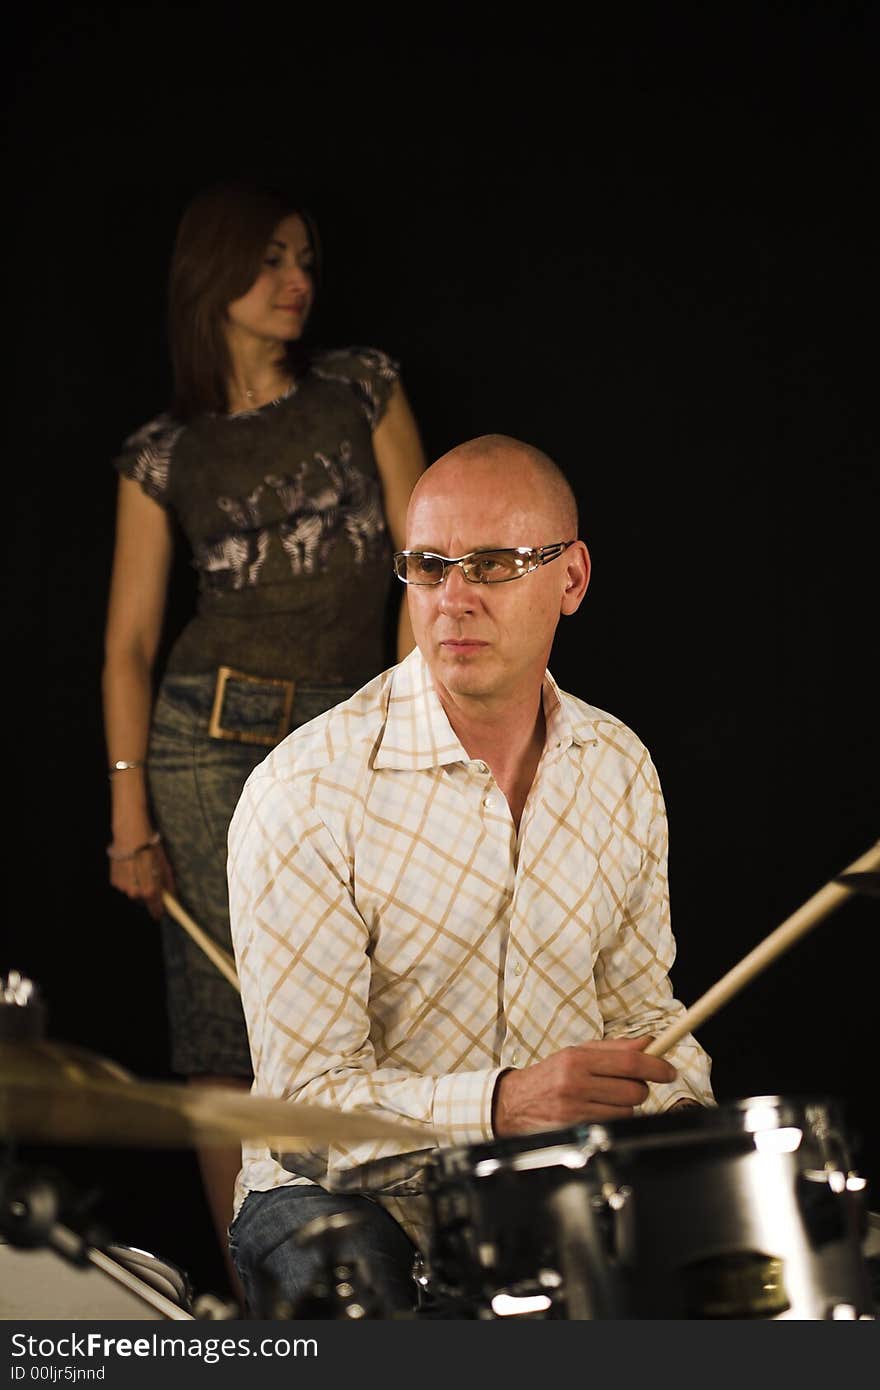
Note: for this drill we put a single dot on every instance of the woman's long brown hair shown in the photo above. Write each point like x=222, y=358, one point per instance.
x=220, y=245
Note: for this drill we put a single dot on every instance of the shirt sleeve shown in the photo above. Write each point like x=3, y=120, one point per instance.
x=370, y=373
x=632, y=972
x=146, y=457
x=303, y=956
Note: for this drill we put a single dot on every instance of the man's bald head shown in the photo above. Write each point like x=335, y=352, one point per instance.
x=497, y=461
x=487, y=645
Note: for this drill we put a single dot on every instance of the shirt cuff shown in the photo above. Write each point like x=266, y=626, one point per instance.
x=462, y=1108
x=662, y=1097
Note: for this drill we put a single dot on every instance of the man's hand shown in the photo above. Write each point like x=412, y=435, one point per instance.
x=593, y=1081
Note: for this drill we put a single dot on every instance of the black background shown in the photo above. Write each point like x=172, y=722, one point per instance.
x=645, y=246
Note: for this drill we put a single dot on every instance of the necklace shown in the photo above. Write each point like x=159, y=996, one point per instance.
x=251, y=393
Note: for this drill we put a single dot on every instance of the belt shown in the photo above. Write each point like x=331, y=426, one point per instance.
x=215, y=727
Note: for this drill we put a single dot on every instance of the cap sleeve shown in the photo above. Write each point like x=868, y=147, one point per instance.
x=146, y=457
x=370, y=373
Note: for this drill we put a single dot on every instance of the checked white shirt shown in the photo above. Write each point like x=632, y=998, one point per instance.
x=398, y=944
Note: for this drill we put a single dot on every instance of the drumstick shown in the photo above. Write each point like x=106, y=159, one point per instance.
x=223, y=961
x=800, y=922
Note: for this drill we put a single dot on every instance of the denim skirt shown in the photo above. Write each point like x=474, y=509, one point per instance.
x=195, y=782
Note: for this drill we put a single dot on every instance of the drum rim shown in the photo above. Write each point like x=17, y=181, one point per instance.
x=163, y=1275
x=737, y=1118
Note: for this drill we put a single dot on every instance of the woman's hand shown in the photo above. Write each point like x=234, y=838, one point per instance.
x=142, y=872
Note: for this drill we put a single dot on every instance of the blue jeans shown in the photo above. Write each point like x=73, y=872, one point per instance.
x=278, y=1275
x=195, y=782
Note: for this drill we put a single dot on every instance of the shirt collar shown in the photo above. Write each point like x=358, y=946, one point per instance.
x=568, y=720
x=417, y=733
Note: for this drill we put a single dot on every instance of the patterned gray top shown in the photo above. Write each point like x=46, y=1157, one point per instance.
x=282, y=509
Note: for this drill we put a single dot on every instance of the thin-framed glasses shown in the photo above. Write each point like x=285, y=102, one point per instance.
x=479, y=567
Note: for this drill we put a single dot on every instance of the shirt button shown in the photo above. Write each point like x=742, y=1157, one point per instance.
x=517, y=969
x=514, y=1059
x=488, y=801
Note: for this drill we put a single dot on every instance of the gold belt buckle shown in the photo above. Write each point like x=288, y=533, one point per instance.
x=216, y=729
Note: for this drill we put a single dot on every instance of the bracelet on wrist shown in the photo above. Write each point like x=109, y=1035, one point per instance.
x=123, y=765
x=119, y=855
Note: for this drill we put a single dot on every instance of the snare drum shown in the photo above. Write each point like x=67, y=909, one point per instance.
x=518, y=1228
x=747, y=1210
x=39, y=1284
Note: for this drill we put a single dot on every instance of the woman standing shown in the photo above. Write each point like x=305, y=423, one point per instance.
x=288, y=471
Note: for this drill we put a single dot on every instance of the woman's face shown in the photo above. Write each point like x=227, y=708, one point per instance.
x=278, y=302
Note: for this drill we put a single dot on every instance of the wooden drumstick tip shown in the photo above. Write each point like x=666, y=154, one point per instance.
x=223, y=961
x=809, y=915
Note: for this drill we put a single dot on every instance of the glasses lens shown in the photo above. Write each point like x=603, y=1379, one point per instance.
x=420, y=568
x=497, y=566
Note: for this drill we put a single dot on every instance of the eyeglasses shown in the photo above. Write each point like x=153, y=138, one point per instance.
x=479, y=567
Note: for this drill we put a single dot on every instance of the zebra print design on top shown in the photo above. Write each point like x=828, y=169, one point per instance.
x=376, y=367
x=152, y=446
x=344, y=505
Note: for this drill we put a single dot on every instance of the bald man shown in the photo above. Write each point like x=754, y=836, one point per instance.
x=448, y=894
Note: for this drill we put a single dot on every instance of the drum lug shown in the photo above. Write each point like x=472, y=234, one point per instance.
x=612, y=1196
x=847, y=1312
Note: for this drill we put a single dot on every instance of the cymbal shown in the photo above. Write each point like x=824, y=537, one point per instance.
x=52, y=1093
x=382, y=1174
x=39, y=1061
